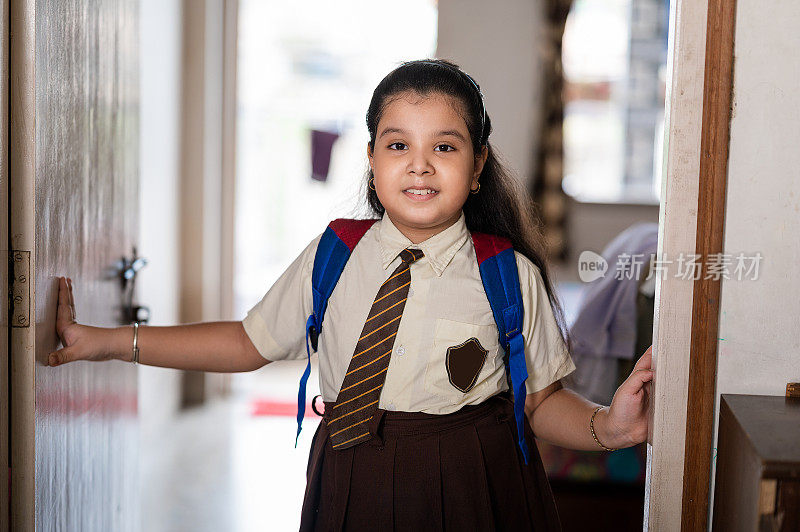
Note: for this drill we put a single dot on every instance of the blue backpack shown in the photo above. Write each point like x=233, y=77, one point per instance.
x=498, y=268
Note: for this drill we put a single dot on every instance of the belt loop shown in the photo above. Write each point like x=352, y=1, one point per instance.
x=374, y=428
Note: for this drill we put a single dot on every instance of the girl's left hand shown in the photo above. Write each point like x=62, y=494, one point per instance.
x=628, y=413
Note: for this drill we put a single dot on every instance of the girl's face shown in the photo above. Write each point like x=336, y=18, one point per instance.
x=423, y=163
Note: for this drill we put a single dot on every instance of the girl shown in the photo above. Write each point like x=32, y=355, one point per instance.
x=418, y=430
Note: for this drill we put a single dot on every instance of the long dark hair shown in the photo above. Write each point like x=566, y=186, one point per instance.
x=502, y=207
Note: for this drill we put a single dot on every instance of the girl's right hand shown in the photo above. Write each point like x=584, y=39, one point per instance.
x=80, y=341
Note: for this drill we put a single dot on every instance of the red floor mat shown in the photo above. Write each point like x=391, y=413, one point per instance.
x=271, y=407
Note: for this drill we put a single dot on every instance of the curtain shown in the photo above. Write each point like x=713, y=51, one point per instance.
x=548, y=194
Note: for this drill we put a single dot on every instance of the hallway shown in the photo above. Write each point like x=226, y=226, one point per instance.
x=226, y=466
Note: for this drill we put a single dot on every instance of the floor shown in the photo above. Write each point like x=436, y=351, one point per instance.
x=221, y=468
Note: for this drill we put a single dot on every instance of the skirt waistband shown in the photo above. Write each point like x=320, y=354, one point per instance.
x=395, y=423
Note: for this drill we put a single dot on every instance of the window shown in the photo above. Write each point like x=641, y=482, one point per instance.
x=614, y=57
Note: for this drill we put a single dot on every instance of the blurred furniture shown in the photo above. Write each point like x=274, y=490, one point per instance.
x=546, y=189
x=758, y=464
x=606, y=333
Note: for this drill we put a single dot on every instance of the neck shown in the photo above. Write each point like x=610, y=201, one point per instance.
x=420, y=234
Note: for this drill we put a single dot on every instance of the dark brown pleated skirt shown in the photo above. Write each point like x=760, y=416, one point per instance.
x=459, y=471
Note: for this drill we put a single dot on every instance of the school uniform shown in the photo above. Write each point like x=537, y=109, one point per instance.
x=442, y=452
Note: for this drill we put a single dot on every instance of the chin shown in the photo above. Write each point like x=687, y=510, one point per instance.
x=418, y=215
x=423, y=220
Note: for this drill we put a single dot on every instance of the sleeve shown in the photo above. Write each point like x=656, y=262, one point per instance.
x=277, y=324
x=546, y=354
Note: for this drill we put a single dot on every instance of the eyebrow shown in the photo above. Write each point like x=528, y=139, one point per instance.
x=450, y=132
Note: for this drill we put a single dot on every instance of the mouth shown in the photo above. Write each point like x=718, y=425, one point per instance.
x=420, y=194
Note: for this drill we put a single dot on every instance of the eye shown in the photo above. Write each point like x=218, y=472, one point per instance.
x=399, y=146
x=445, y=148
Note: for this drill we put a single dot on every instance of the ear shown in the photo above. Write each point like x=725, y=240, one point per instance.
x=369, y=157
x=480, y=161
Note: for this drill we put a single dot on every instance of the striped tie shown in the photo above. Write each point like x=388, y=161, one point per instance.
x=361, y=388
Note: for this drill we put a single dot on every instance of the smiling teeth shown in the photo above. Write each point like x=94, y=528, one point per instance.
x=421, y=192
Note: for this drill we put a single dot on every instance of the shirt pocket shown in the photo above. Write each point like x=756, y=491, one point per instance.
x=463, y=356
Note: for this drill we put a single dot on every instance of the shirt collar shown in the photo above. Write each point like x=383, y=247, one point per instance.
x=439, y=249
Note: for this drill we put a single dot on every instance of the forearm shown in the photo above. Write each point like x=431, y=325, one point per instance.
x=221, y=346
x=563, y=418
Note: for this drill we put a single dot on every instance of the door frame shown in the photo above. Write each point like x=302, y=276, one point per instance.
x=22, y=174
x=4, y=270
x=691, y=220
x=710, y=239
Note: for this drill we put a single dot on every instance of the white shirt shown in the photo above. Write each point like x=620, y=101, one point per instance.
x=446, y=305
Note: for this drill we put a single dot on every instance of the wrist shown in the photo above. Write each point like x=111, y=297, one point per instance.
x=120, y=343
x=605, y=431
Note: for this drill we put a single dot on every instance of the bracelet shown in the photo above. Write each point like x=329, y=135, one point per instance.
x=135, y=358
x=591, y=428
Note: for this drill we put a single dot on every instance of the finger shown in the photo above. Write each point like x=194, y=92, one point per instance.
x=645, y=361
x=62, y=356
x=64, y=312
x=71, y=300
x=64, y=309
x=636, y=381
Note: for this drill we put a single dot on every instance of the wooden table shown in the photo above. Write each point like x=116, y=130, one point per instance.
x=758, y=464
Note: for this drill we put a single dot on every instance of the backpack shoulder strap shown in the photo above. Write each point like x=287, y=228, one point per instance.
x=498, y=268
x=333, y=251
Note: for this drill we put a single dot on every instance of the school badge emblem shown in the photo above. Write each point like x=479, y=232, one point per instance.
x=464, y=362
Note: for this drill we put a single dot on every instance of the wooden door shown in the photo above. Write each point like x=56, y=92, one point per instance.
x=74, y=212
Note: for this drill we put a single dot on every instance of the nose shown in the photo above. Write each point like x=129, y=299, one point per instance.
x=419, y=164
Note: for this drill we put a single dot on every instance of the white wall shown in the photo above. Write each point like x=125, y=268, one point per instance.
x=759, y=337
x=157, y=284
x=495, y=42
x=759, y=330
